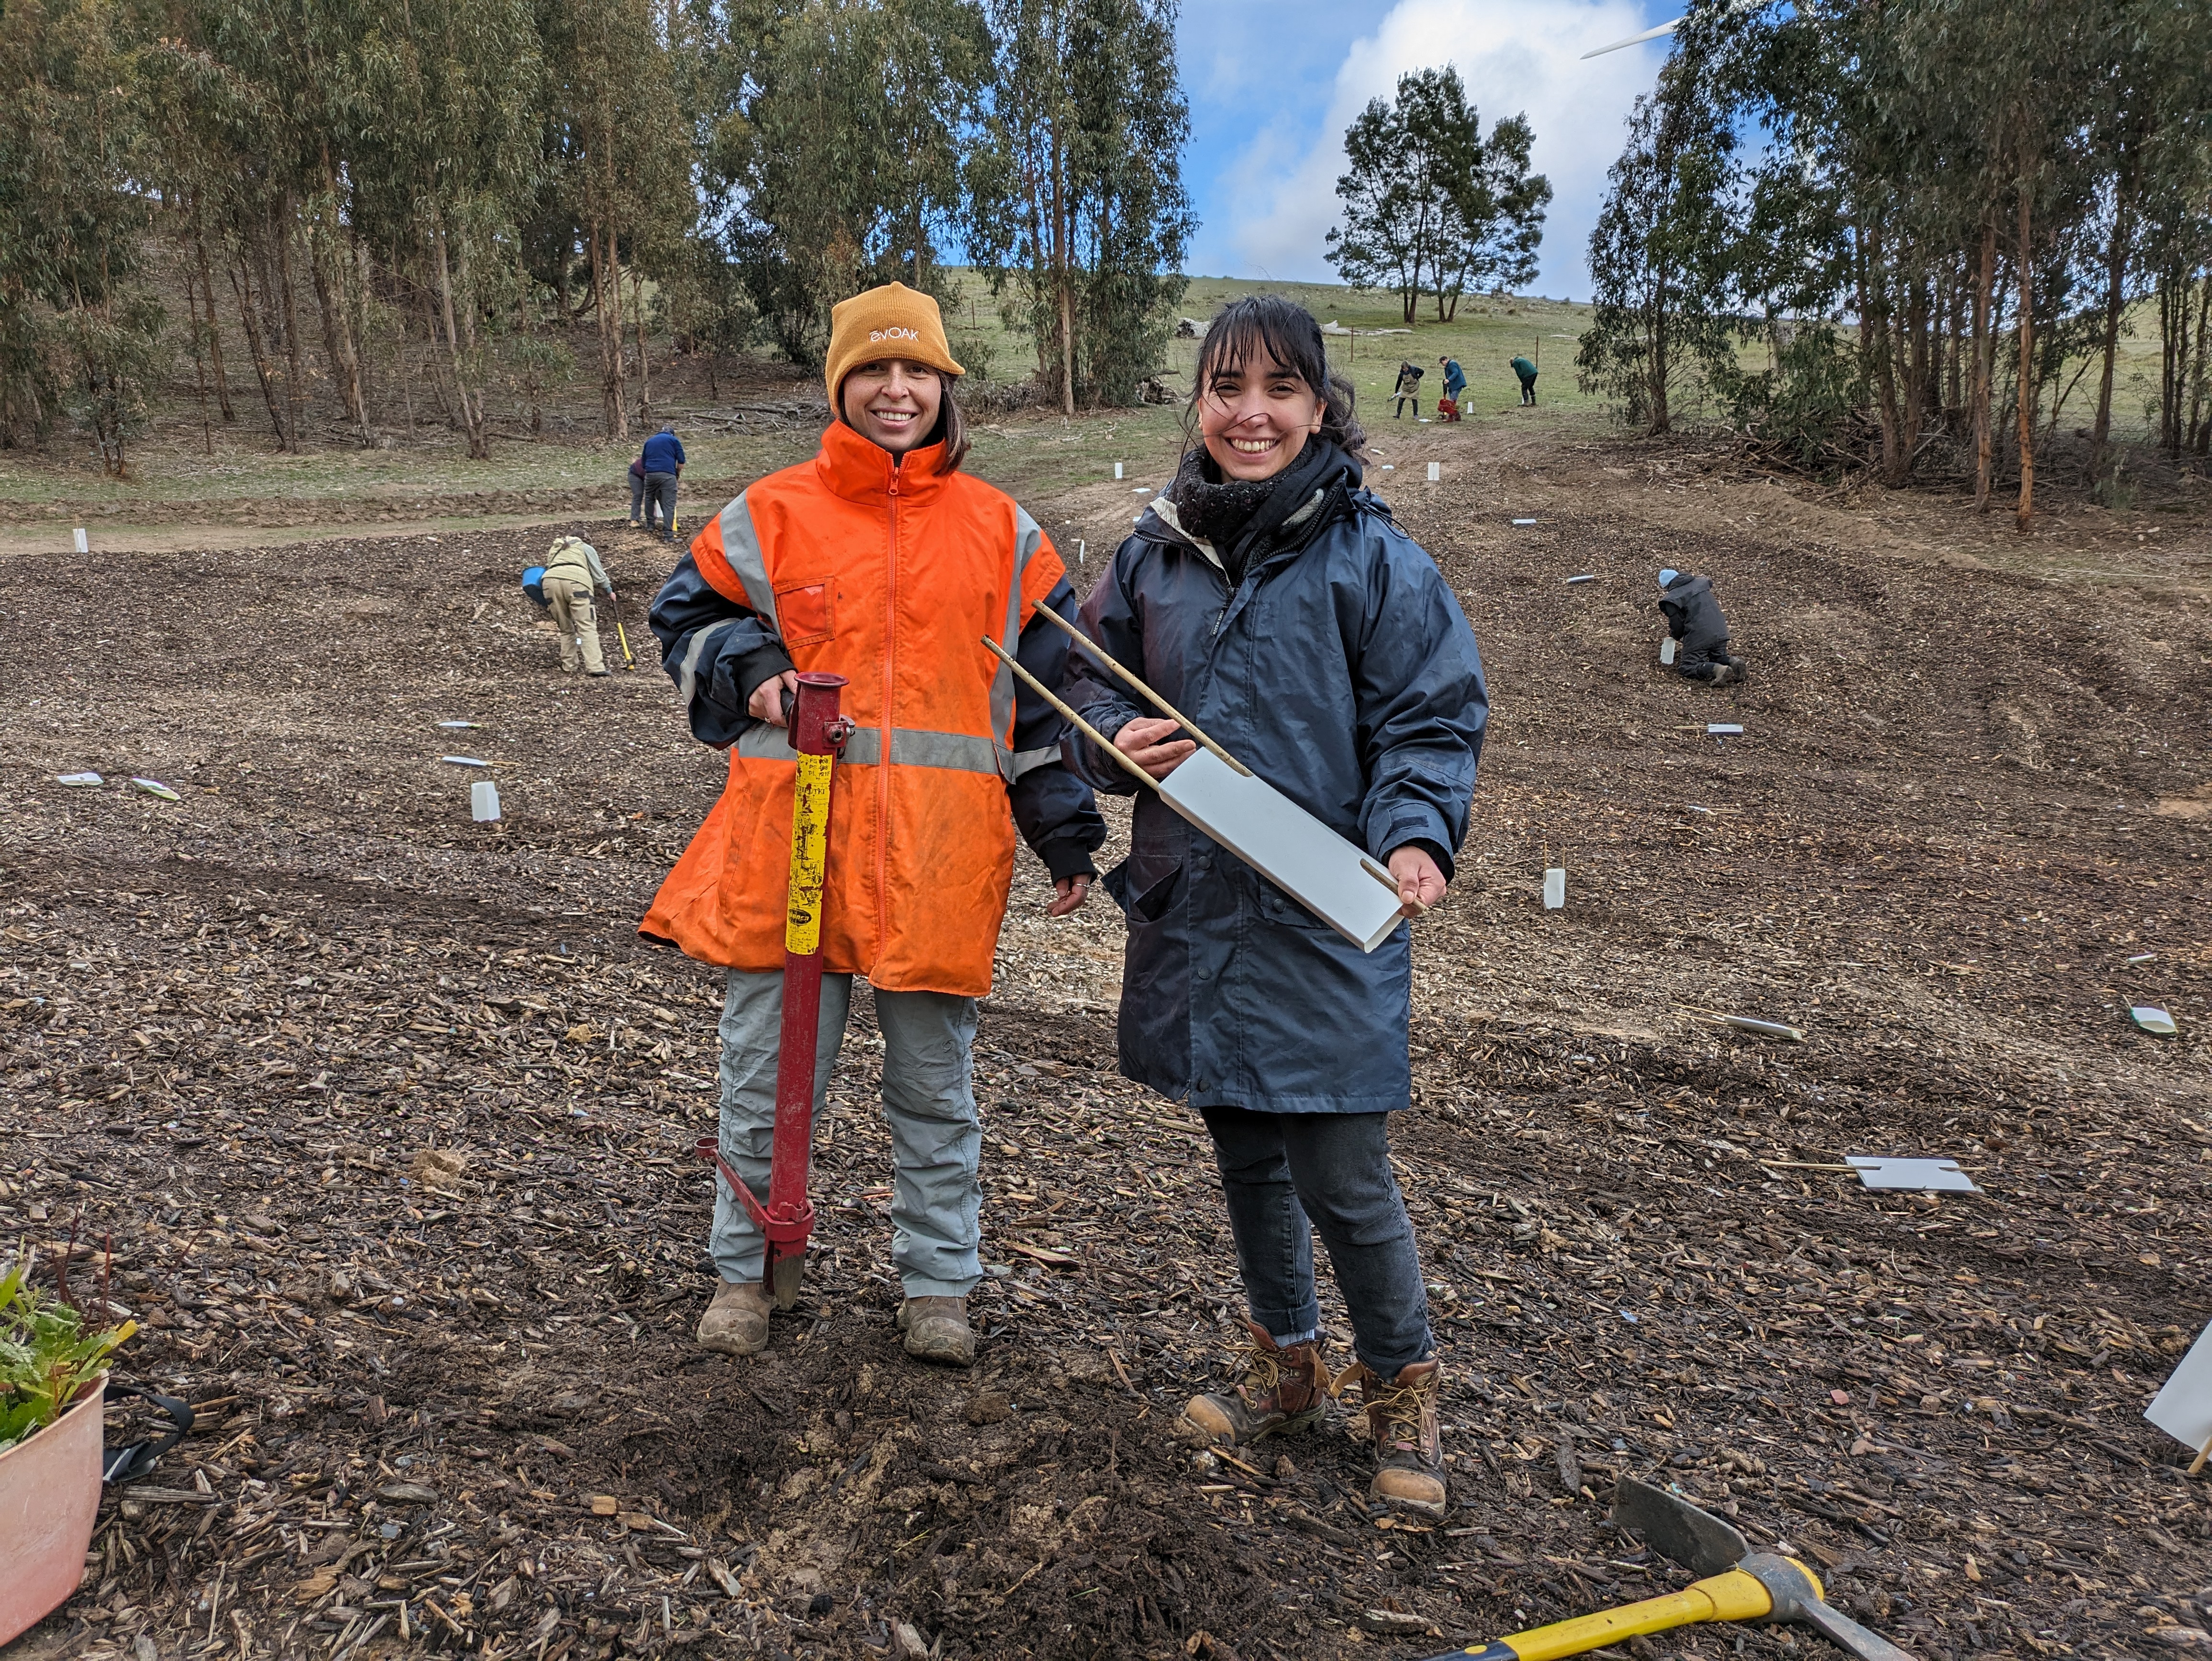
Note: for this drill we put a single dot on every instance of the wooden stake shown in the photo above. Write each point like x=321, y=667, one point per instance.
x=1137, y=772
x=2203, y=1454
x=1059, y=703
x=1142, y=691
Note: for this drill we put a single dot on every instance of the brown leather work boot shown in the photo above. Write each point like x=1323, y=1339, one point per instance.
x=736, y=1323
x=937, y=1329
x=1402, y=1416
x=1285, y=1389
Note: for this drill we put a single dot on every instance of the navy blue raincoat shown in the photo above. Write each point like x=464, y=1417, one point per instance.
x=1342, y=671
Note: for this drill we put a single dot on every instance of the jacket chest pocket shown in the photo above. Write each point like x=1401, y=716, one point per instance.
x=803, y=611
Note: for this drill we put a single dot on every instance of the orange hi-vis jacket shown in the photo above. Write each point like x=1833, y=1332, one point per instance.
x=889, y=577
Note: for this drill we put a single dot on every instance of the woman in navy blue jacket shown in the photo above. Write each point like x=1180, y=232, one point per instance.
x=1271, y=597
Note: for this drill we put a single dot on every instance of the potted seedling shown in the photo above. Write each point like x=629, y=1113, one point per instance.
x=53, y=1378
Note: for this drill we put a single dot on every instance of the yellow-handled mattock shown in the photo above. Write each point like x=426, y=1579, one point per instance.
x=1760, y=1586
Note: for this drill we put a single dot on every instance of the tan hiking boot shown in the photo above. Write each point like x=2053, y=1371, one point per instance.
x=1402, y=1416
x=736, y=1323
x=937, y=1329
x=1284, y=1389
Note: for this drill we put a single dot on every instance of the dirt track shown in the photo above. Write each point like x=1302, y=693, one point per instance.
x=1972, y=788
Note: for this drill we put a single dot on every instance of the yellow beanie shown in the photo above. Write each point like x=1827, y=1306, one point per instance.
x=892, y=321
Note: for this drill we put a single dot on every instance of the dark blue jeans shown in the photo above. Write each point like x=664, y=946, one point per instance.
x=660, y=495
x=1286, y=1175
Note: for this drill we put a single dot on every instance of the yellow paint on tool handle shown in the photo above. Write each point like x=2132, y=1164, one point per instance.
x=810, y=841
x=1734, y=1596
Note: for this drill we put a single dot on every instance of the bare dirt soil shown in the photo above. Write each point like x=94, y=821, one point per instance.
x=387, y=1116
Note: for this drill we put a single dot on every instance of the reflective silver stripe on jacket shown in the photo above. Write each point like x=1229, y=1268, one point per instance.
x=688, y=672
x=741, y=548
x=911, y=746
x=1029, y=537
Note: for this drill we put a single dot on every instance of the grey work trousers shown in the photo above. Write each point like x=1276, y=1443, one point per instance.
x=660, y=503
x=929, y=1098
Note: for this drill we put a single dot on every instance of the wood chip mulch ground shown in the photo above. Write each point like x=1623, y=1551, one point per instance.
x=386, y=1118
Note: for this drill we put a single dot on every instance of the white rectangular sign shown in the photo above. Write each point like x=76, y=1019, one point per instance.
x=1943, y=1176
x=2183, y=1409
x=1287, y=845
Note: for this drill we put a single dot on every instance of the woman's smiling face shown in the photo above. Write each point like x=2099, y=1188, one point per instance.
x=894, y=402
x=1255, y=417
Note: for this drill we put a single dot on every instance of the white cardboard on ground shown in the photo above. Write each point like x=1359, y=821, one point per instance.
x=1285, y=844
x=2183, y=1408
x=1943, y=1176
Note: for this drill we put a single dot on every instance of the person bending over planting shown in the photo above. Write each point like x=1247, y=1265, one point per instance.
x=1271, y=597
x=878, y=560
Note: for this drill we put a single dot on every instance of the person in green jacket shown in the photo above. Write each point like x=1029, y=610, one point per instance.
x=1527, y=371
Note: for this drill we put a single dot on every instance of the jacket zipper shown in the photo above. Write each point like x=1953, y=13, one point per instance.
x=884, y=758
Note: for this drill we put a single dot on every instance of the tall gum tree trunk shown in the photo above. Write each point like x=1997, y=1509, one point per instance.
x=1063, y=255
x=2172, y=356
x=614, y=328
x=606, y=276
x=199, y=363
x=1985, y=282
x=215, y=333
x=241, y=282
x=472, y=409
x=295, y=388
x=2026, y=411
x=473, y=397
x=1874, y=346
x=338, y=337
x=2116, y=272
x=2199, y=436
x=644, y=367
x=328, y=261
x=1954, y=386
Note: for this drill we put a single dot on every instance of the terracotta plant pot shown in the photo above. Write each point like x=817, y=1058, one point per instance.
x=49, y=1497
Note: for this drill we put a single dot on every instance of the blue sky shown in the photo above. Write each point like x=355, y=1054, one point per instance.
x=1272, y=84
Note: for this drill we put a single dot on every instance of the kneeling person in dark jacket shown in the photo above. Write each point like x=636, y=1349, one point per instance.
x=1694, y=617
x=1271, y=597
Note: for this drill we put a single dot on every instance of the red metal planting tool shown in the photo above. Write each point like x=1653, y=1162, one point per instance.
x=818, y=731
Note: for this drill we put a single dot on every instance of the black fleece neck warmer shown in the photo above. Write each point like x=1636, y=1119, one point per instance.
x=1241, y=518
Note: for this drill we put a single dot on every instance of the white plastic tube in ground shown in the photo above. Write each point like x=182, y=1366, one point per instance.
x=483, y=802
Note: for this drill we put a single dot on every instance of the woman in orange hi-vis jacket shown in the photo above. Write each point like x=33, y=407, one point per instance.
x=878, y=560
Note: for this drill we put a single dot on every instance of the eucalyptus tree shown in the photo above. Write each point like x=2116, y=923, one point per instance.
x=1074, y=188
x=1494, y=219
x=78, y=334
x=832, y=138
x=1429, y=206
x=1661, y=285
x=459, y=85
x=618, y=159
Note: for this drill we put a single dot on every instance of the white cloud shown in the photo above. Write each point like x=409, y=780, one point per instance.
x=1515, y=56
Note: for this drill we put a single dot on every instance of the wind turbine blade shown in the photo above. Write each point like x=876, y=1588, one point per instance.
x=1638, y=39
